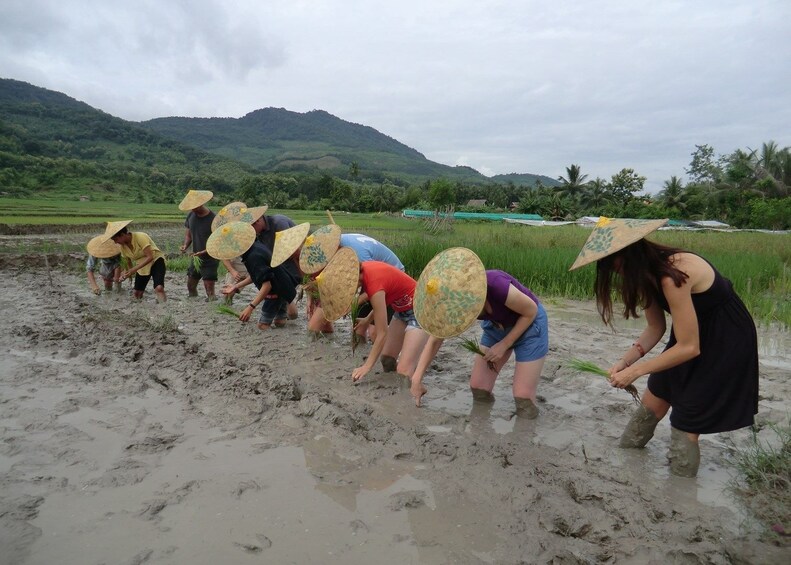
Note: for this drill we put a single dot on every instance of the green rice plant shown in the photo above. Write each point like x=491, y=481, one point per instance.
x=473, y=346
x=763, y=478
x=224, y=309
x=588, y=367
x=197, y=263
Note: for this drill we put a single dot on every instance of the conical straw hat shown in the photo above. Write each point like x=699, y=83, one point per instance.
x=113, y=228
x=102, y=248
x=195, y=198
x=338, y=283
x=237, y=212
x=319, y=248
x=287, y=242
x=450, y=292
x=230, y=240
x=611, y=235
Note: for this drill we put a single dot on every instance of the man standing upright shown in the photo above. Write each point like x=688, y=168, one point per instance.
x=198, y=224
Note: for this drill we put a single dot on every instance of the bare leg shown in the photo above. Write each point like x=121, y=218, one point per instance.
x=393, y=344
x=318, y=324
x=291, y=310
x=192, y=286
x=684, y=453
x=209, y=287
x=641, y=426
x=482, y=378
x=160, y=292
x=526, y=377
x=414, y=341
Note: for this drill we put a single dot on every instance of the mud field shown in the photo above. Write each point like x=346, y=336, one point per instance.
x=170, y=433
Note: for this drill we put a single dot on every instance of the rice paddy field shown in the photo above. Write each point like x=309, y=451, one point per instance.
x=759, y=264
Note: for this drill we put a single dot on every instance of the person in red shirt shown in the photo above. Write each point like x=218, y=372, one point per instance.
x=384, y=285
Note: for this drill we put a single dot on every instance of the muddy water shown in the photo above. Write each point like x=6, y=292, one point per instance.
x=120, y=443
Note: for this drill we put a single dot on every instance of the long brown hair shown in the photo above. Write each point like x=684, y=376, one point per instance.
x=640, y=268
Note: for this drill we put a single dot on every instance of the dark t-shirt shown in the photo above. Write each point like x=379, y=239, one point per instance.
x=200, y=230
x=274, y=224
x=284, y=278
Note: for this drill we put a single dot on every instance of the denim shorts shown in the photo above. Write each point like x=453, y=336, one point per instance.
x=531, y=345
x=408, y=317
x=273, y=309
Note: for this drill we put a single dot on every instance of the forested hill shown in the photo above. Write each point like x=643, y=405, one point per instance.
x=275, y=139
x=53, y=144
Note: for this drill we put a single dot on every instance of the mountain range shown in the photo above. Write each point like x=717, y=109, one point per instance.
x=40, y=129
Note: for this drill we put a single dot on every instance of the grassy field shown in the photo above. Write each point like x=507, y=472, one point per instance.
x=758, y=264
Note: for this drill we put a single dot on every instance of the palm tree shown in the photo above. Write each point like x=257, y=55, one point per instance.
x=595, y=196
x=672, y=195
x=573, y=184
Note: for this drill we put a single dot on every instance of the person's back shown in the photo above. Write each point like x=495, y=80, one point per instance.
x=399, y=288
x=369, y=249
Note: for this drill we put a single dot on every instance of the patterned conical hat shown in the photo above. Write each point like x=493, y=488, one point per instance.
x=103, y=248
x=287, y=242
x=319, y=248
x=195, y=199
x=338, y=283
x=450, y=292
x=230, y=240
x=113, y=228
x=237, y=212
x=611, y=235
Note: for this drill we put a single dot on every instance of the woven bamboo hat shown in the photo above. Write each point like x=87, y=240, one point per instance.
x=230, y=240
x=102, y=248
x=319, y=248
x=611, y=235
x=287, y=242
x=450, y=292
x=338, y=283
x=195, y=199
x=113, y=228
x=237, y=212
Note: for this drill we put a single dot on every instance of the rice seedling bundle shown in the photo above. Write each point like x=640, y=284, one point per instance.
x=223, y=309
x=473, y=346
x=588, y=367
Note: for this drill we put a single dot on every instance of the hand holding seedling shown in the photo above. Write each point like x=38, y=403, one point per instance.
x=624, y=377
x=246, y=313
x=495, y=353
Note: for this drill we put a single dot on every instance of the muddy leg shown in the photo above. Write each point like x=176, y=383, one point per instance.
x=640, y=428
x=526, y=408
x=481, y=395
x=388, y=363
x=684, y=454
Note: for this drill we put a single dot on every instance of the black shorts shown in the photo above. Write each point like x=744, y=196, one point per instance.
x=208, y=269
x=366, y=308
x=157, y=273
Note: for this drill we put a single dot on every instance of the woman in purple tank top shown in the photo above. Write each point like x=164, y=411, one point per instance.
x=513, y=321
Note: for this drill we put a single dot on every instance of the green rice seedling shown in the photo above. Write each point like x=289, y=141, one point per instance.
x=763, y=478
x=197, y=262
x=473, y=346
x=224, y=309
x=588, y=367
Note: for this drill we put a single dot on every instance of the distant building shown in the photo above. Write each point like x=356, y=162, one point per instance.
x=84, y=198
x=477, y=203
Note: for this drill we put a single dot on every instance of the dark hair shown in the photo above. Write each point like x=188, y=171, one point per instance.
x=640, y=270
x=122, y=231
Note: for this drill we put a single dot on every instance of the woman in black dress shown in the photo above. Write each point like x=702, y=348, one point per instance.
x=708, y=372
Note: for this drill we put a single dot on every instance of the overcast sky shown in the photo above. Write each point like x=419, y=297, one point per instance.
x=521, y=86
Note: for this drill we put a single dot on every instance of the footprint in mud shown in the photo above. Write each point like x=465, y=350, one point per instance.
x=263, y=543
x=407, y=499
